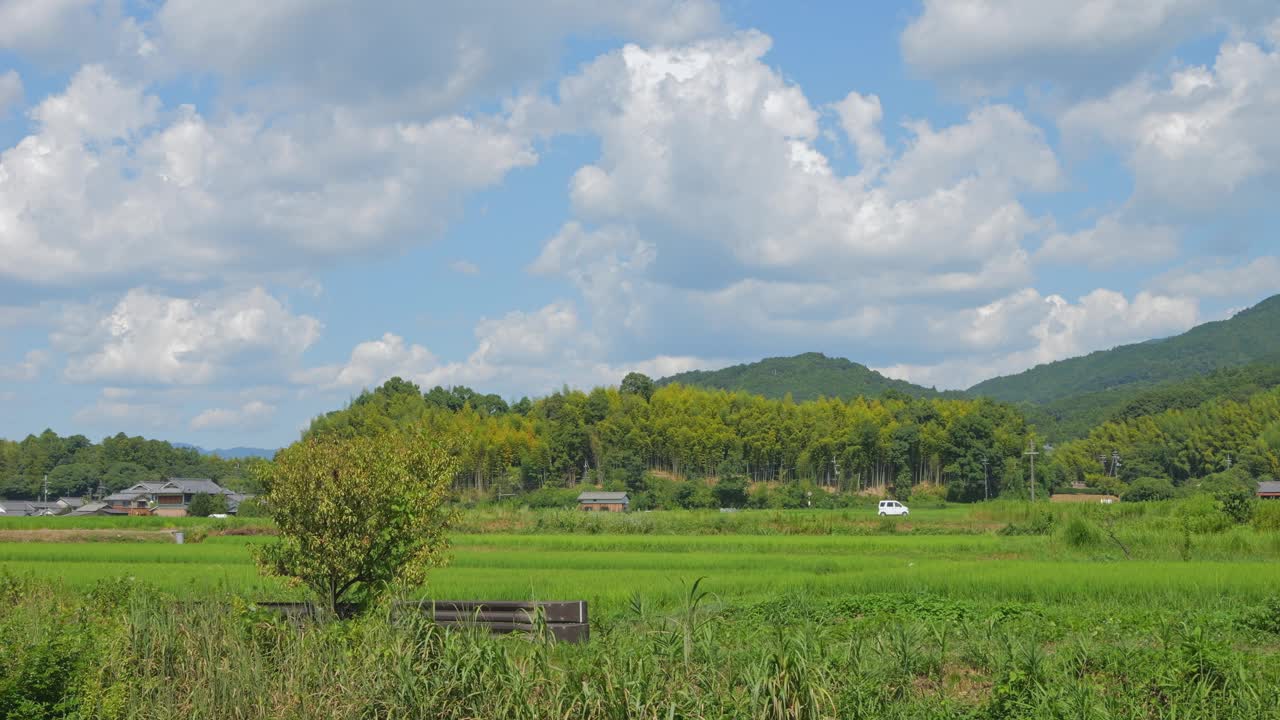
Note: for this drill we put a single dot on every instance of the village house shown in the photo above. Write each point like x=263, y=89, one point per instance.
x=1269, y=490
x=168, y=498
x=595, y=501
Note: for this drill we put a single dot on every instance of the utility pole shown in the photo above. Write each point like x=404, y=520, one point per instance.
x=1228, y=459
x=1031, y=453
x=1115, y=463
x=986, y=480
x=836, y=465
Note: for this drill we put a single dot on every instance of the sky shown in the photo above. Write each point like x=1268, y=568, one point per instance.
x=218, y=220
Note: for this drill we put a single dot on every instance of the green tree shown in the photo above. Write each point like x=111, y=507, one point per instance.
x=731, y=491
x=1149, y=488
x=358, y=515
x=202, y=505
x=637, y=384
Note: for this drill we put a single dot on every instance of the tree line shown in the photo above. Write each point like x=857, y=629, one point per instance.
x=625, y=436
x=76, y=466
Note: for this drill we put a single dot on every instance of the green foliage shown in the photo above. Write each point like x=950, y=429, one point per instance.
x=609, y=437
x=357, y=515
x=731, y=492
x=204, y=505
x=803, y=377
x=76, y=466
x=1146, y=489
x=637, y=384
x=1250, y=336
x=252, y=507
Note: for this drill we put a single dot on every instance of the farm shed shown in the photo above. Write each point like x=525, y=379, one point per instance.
x=604, y=501
x=1269, y=490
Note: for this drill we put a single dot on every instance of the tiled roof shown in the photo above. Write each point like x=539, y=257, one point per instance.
x=606, y=497
x=1269, y=486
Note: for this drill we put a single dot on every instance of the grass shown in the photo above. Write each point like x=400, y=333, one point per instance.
x=608, y=570
x=749, y=615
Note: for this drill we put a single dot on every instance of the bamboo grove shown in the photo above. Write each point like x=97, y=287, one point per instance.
x=615, y=437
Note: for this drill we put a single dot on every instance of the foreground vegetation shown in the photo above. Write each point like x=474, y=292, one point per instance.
x=791, y=627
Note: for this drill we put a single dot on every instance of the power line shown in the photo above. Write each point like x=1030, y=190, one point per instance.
x=1031, y=452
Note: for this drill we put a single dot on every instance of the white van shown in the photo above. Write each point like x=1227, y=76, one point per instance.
x=893, y=507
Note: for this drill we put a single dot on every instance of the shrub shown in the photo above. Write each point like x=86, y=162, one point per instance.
x=1266, y=516
x=1080, y=533
x=358, y=515
x=1203, y=514
x=1147, y=489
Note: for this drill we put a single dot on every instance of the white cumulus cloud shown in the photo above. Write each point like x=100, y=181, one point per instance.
x=154, y=339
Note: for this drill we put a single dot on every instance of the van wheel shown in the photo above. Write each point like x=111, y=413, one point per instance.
x=881, y=513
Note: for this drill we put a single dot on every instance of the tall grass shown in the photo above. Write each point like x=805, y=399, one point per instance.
x=124, y=652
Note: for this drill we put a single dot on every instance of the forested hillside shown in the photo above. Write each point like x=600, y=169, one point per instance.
x=1180, y=445
x=1073, y=417
x=624, y=439
x=806, y=377
x=1250, y=336
x=75, y=465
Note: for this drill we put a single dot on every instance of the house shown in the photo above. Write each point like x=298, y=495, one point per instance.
x=28, y=508
x=1269, y=490
x=169, y=498
x=603, y=501
x=95, y=508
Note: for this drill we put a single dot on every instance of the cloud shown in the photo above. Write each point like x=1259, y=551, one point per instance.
x=990, y=46
x=371, y=363
x=711, y=223
x=428, y=58
x=1111, y=244
x=253, y=414
x=32, y=364
x=10, y=91
x=1032, y=329
x=65, y=32
x=1200, y=141
x=860, y=117
x=519, y=353
x=114, y=414
x=463, y=267
x=110, y=189
x=153, y=339
x=1259, y=277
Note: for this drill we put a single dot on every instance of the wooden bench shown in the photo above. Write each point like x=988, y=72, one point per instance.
x=564, y=620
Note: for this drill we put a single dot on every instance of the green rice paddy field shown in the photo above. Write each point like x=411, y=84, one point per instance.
x=608, y=569
x=959, y=614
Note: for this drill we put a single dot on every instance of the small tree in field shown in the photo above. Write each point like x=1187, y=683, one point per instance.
x=358, y=515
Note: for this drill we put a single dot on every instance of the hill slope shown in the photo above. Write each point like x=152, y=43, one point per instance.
x=806, y=377
x=1250, y=336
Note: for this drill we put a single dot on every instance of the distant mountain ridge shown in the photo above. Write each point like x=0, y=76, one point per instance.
x=806, y=377
x=235, y=453
x=1250, y=336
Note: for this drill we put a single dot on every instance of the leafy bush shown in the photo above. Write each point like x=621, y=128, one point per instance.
x=1266, y=515
x=929, y=495
x=1079, y=533
x=1203, y=514
x=1147, y=489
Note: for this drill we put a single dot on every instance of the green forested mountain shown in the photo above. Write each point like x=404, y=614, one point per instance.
x=1250, y=336
x=1074, y=416
x=806, y=377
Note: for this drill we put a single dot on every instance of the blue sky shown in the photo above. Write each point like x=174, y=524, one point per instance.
x=220, y=219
